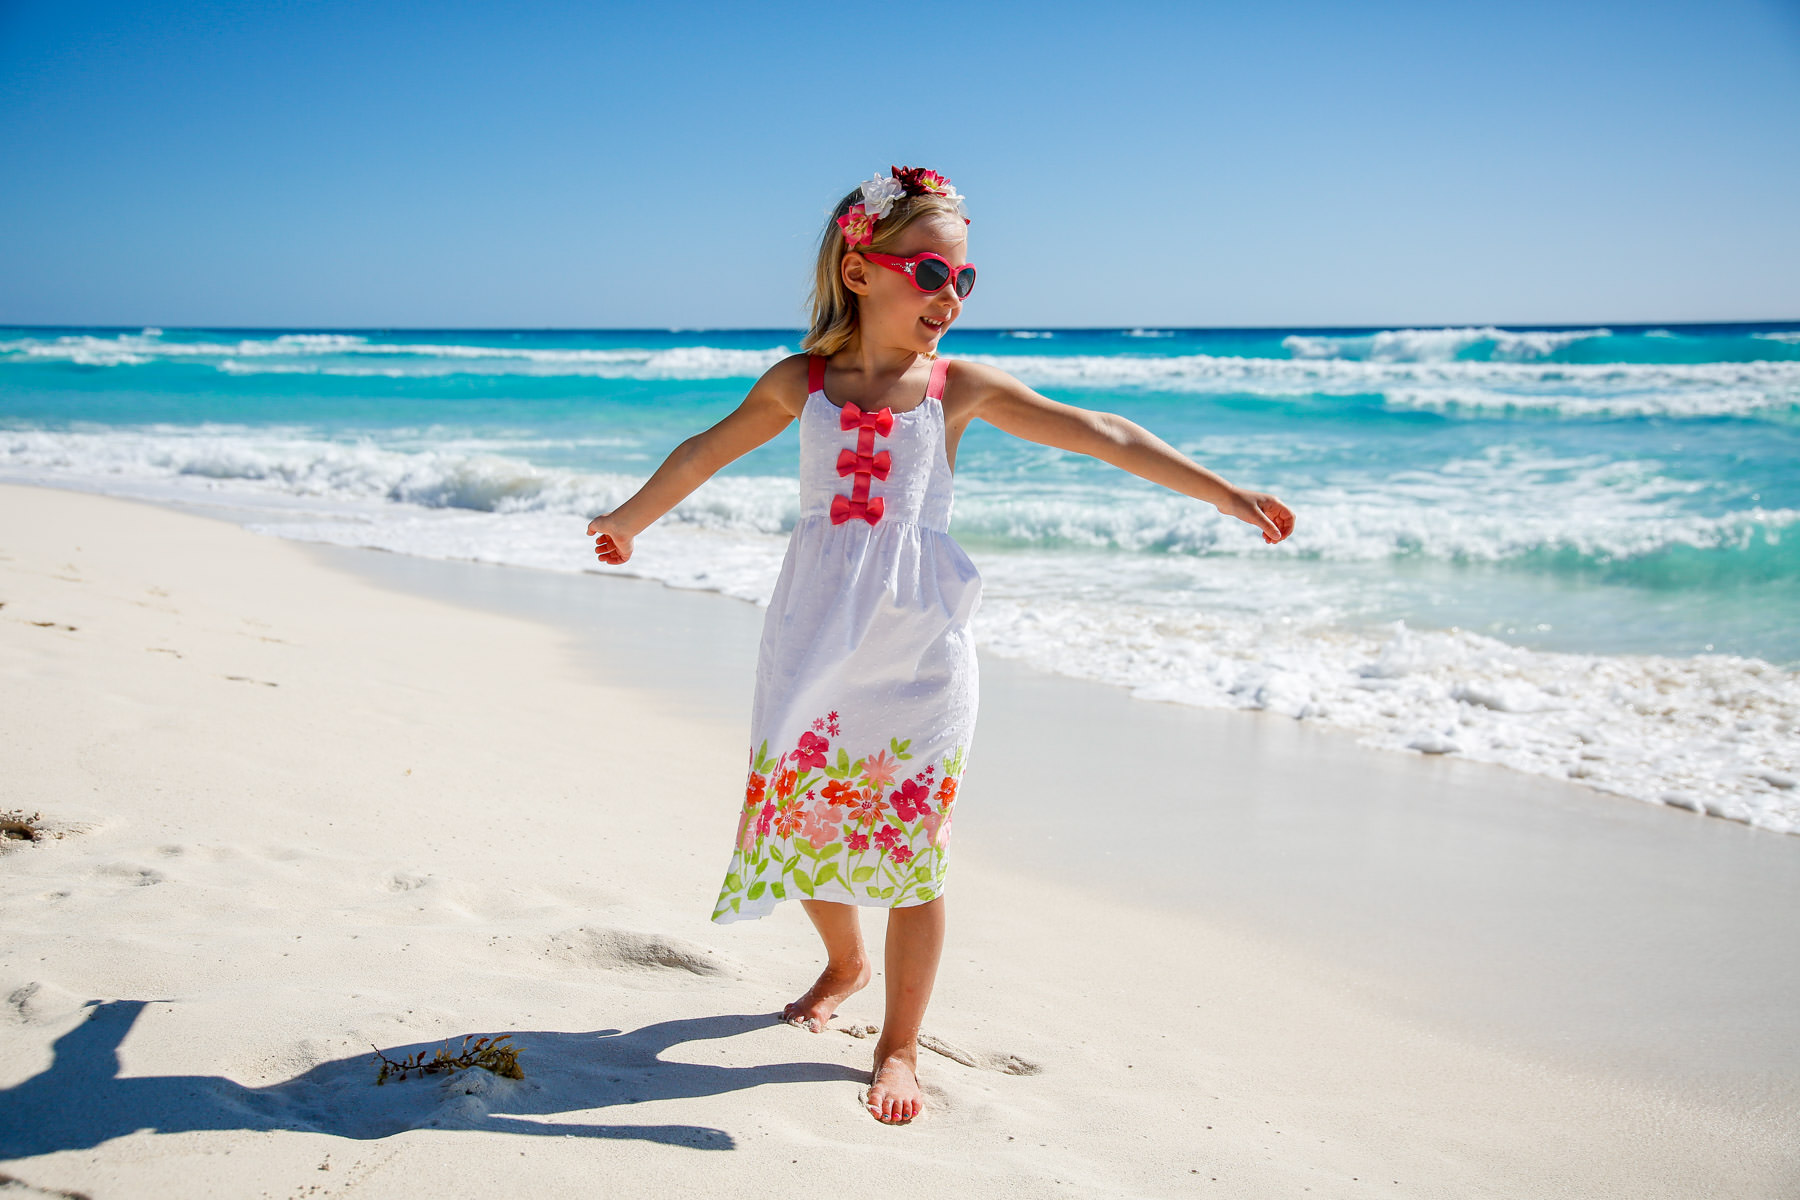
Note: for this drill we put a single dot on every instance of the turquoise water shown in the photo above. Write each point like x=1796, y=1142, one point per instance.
x=1627, y=490
x=1530, y=498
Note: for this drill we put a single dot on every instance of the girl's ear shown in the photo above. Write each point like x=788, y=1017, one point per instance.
x=854, y=269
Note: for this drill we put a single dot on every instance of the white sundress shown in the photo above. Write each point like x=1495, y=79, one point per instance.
x=866, y=684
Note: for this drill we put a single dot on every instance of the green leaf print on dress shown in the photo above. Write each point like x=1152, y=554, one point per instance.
x=801, y=813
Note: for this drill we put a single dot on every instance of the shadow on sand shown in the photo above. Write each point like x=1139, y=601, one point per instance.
x=80, y=1101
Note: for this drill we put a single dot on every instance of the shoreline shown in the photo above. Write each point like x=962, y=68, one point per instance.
x=1618, y=723
x=265, y=946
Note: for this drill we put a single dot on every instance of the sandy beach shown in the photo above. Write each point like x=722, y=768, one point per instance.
x=463, y=801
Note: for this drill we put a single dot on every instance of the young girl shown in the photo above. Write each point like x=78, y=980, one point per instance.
x=866, y=680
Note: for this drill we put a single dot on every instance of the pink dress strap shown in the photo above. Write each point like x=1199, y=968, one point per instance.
x=815, y=374
x=940, y=367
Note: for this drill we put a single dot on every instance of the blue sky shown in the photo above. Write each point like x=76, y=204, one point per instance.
x=598, y=165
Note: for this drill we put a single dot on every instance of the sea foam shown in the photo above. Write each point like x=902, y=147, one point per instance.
x=1211, y=626
x=1489, y=507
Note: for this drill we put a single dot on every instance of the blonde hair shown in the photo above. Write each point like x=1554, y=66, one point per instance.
x=833, y=304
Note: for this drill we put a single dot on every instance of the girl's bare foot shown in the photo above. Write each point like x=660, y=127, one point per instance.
x=836, y=983
x=894, y=1095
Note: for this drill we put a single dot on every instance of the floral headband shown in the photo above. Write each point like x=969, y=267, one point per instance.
x=880, y=193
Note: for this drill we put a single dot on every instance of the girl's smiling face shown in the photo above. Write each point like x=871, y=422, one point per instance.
x=891, y=311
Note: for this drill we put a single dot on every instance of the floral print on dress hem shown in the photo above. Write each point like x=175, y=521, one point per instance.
x=852, y=831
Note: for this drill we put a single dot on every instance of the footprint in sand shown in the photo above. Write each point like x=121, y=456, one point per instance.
x=981, y=1060
x=20, y=1003
x=624, y=949
x=36, y=1003
x=132, y=873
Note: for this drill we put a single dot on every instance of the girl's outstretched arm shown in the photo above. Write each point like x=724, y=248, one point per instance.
x=1005, y=403
x=761, y=416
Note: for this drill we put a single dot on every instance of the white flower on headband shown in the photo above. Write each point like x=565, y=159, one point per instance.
x=956, y=198
x=880, y=193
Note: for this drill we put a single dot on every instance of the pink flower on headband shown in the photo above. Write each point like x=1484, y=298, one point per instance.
x=858, y=225
x=918, y=181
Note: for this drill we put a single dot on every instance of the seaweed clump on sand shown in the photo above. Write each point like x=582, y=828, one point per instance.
x=501, y=1060
x=15, y=826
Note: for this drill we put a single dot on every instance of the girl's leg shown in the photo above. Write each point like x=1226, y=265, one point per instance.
x=847, y=968
x=915, y=942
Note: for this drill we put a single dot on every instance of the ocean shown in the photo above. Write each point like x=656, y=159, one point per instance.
x=1568, y=551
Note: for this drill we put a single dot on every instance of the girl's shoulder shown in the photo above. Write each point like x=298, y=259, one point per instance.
x=791, y=369
x=787, y=378
x=780, y=389
x=973, y=382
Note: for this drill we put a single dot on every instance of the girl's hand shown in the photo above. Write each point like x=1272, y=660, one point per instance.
x=613, y=543
x=1261, y=510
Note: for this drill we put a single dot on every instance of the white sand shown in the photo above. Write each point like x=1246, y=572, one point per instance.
x=304, y=814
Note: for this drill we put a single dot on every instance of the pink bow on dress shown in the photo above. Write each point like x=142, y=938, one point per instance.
x=853, y=417
x=850, y=462
x=844, y=509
